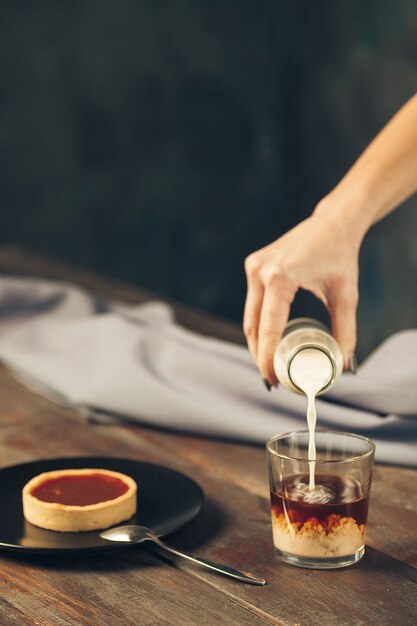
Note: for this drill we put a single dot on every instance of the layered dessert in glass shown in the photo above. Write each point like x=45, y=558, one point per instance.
x=320, y=523
x=328, y=521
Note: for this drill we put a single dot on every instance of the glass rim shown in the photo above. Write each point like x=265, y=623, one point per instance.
x=370, y=452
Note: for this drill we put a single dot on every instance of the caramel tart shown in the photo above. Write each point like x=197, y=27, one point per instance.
x=76, y=500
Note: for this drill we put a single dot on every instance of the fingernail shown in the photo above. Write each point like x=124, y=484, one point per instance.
x=267, y=384
x=353, y=364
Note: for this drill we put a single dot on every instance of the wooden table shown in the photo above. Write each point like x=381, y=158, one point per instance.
x=136, y=587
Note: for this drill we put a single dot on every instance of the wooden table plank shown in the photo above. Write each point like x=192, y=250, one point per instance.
x=129, y=588
x=137, y=587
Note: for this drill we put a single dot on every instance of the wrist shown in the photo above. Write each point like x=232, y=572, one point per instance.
x=350, y=206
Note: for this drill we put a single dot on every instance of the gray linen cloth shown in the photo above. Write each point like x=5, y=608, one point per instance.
x=115, y=361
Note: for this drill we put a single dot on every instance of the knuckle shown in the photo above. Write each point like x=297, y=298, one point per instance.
x=286, y=264
x=273, y=276
x=277, y=281
x=249, y=331
x=252, y=264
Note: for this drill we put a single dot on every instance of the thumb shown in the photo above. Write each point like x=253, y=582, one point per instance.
x=343, y=313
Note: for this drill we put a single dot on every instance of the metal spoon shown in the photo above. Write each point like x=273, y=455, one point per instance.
x=137, y=534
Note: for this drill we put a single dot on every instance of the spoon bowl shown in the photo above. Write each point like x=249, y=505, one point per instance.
x=128, y=534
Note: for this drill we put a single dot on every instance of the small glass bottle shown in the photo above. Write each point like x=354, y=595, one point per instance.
x=305, y=333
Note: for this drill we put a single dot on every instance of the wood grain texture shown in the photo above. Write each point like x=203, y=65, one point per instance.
x=127, y=589
x=138, y=587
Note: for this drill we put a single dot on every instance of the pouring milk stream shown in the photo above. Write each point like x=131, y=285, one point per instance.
x=311, y=370
x=308, y=360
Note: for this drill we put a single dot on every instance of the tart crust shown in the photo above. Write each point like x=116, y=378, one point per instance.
x=74, y=518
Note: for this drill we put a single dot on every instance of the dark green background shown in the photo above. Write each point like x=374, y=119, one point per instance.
x=160, y=142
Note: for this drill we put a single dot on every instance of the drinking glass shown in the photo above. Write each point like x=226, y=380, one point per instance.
x=324, y=527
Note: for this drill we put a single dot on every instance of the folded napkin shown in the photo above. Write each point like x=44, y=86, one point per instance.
x=114, y=361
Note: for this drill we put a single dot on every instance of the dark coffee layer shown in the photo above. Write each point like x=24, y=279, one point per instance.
x=334, y=495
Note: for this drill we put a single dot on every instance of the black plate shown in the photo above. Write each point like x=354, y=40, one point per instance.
x=167, y=501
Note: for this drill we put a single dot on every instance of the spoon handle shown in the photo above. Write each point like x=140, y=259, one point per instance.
x=217, y=567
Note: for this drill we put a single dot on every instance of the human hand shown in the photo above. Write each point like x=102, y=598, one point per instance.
x=319, y=255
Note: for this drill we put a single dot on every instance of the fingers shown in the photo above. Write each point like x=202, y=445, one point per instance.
x=278, y=296
x=343, y=313
x=252, y=313
x=267, y=307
